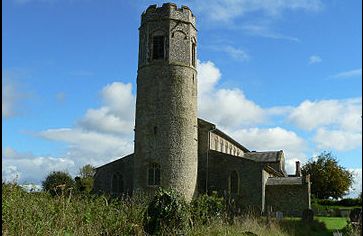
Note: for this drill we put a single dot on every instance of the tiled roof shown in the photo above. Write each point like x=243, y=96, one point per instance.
x=284, y=181
x=274, y=156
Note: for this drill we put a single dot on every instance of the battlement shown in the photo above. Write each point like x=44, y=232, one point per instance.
x=168, y=11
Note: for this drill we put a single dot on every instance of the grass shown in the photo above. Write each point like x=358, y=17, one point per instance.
x=333, y=223
x=40, y=214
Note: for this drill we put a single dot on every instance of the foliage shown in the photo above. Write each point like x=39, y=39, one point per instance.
x=205, y=208
x=167, y=213
x=38, y=213
x=84, y=182
x=347, y=202
x=41, y=214
x=328, y=178
x=349, y=230
x=58, y=183
x=87, y=171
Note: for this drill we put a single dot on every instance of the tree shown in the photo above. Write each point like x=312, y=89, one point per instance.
x=84, y=182
x=58, y=182
x=87, y=171
x=327, y=177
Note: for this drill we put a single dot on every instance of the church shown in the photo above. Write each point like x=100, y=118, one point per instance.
x=174, y=148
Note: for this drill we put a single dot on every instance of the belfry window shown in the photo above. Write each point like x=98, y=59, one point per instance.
x=193, y=54
x=158, y=49
x=154, y=174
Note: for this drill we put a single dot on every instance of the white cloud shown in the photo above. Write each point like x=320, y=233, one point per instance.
x=345, y=114
x=337, y=139
x=117, y=113
x=234, y=109
x=25, y=167
x=235, y=53
x=349, y=74
x=338, y=123
x=227, y=10
x=10, y=173
x=264, y=30
x=356, y=188
x=102, y=135
x=314, y=59
x=98, y=144
x=208, y=77
x=273, y=139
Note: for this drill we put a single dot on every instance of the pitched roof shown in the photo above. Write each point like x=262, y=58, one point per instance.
x=284, y=181
x=117, y=160
x=273, y=156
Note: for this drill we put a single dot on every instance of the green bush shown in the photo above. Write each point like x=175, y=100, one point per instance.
x=348, y=202
x=205, y=208
x=167, y=213
x=58, y=183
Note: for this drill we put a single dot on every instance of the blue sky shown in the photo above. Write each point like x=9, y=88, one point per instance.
x=281, y=74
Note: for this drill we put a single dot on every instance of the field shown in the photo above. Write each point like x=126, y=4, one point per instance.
x=26, y=213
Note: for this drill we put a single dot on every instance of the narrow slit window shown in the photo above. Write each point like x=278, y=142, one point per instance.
x=154, y=174
x=193, y=54
x=114, y=184
x=158, y=47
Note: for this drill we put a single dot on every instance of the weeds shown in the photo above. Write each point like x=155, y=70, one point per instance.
x=39, y=213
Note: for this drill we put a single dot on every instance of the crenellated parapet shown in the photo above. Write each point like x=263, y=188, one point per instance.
x=168, y=11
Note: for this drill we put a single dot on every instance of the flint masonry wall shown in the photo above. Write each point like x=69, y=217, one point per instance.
x=121, y=167
x=289, y=199
x=166, y=103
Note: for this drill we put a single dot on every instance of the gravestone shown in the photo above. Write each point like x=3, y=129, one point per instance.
x=307, y=216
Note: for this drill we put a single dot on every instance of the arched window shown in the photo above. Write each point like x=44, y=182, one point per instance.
x=154, y=174
x=226, y=150
x=117, y=183
x=158, y=48
x=233, y=182
x=221, y=142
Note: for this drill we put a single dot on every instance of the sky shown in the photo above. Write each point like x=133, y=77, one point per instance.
x=273, y=74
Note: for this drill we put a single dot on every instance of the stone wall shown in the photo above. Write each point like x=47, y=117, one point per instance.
x=289, y=199
x=250, y=187
x=121, y=167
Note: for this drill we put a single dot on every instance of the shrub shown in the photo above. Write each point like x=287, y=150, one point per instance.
x=58, y=183
x=205, y=208
x=167, y=213
x=84, y=185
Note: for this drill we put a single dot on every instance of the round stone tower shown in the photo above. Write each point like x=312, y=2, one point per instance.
x=166, y=104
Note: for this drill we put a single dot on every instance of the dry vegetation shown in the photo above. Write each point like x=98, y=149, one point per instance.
x=39, y=213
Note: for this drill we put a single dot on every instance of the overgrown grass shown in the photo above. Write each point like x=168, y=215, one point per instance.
x=41, y=214
x=333, y=223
